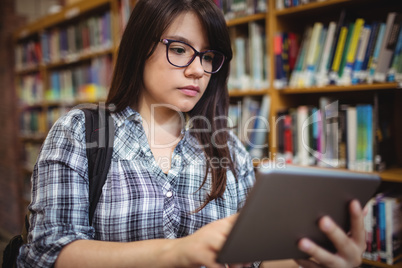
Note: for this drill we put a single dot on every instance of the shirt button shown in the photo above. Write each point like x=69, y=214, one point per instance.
x=169, y=194
x=177, y=157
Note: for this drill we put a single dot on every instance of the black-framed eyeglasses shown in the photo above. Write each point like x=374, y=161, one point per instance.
x=181, y=54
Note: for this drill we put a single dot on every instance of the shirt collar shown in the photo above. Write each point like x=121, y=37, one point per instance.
x=130, y=114
x=127, y=114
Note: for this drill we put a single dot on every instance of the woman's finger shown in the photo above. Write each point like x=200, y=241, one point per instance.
x=349, y=249
x=321, y=255
x=357, y=224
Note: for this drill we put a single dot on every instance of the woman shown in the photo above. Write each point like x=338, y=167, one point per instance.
x=176, y=171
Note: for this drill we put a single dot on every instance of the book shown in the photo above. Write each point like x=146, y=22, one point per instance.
x=393, y=229
x=293, y=51
x=311, y=56
x=329, y=132
x=340, y=23
x=261, y=129
x=250, y=109
x=280, y=76
x=279, y=138
x=395, y=70
x=285, y=55
x=234, y=113
x=351, y=117
x=351, y=52
x=296, y=76
x=333, y=75
x=288, y=139
x=302, y=135
x=322, y=73
x=342, y=136
x=385, y=55
x=373, y=61
x=369, y=230
x=313, y=122
x=356, y=74
x=345, y=52
x=369, y=157
x=257, y=55
x=375, y=27
x=241, y=80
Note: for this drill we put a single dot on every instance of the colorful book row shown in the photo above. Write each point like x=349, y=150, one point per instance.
x=334, y=135
x=28, y=55
x=347, y=52
x=383, y=227
x=36, y=122
x=239, y=8
x=249, y=121
x=66, y=43
x=88, y=82
x=30, y=89
x=82, y=83
x=249, y=66
x=281, y=4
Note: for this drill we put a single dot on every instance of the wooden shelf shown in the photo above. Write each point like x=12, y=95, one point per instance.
x=33, y=138
x=246, y=19
x=65, y=14
x=80, y=58
x=309, y=7
x=392, y=175
x=249, y=92
x=361, y=87
x=29, y=70
x=380, y=264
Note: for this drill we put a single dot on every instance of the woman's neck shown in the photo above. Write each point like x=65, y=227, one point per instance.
x=161, y=124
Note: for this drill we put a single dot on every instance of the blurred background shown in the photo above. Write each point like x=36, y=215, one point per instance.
x=13, y=15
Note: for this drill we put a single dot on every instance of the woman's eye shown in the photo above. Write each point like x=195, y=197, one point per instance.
x=178, y=50
x=208, y=57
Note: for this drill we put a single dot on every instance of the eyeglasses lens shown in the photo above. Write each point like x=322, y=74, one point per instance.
x=180, y=54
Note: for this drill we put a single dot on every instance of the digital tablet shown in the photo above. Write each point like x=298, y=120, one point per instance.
x=285, y=205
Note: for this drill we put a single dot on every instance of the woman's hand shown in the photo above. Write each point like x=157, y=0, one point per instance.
x=349, y=247
x=201, y=248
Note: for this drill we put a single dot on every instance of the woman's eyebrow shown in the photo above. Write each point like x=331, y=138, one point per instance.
x=185, y=40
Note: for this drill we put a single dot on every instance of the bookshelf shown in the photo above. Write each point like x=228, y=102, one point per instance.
x=295, y=19
x=256, y=86
x=50, y=53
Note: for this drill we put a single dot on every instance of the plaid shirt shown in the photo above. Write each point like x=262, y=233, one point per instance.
x=138, y=201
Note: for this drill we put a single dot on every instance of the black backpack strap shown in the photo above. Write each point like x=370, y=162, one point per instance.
x=99, y=136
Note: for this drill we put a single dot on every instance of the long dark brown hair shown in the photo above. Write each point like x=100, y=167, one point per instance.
x=147, y=23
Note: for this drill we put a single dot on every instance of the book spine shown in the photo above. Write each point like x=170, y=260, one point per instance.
x=358, y=65
x=385, y=55
x=333, y=76
x=352, y=51
x=373, y=61
x=351, y=137
x=322, y=75
x=311, y=54
x=396, y=61
x=303, y=135
x=280, y=78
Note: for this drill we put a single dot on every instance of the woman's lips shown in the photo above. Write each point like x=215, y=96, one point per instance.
x=190, y=90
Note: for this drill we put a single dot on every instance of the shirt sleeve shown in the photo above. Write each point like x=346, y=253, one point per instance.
x=60, y=206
